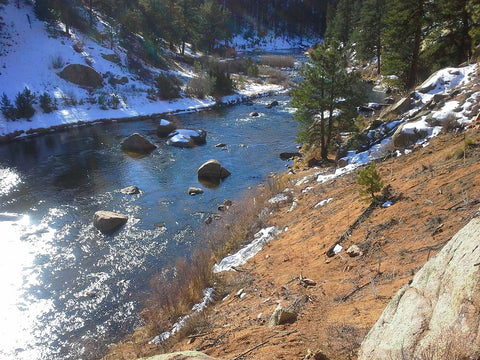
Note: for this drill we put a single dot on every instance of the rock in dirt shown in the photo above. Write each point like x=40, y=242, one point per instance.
x=354, y=251
x=282, y=315
x=180, y=355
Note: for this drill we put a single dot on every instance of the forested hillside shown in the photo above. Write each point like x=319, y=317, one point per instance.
x=409, y=38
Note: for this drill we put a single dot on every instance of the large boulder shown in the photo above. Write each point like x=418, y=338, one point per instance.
x=165, y=128
x=212, y=171
x=187, y=138
x=108, y=221
x=180, y=355
x=137, y=143
x=438, y=310
x=82, y=75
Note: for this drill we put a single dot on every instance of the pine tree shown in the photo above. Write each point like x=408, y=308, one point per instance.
x=368, y=31
x=371, y=181
x=327, y=98
x=24, y=103
x=473, y=8
x=7, y=108
x=402, y=39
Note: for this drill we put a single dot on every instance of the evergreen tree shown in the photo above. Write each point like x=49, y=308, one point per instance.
x=368, y=32
x=340, y=26
x=371, y=181
x=473, y=8
x=402, y=39
x=327, y=98
x=7, y=108
x=214, y=25
x=24, y=102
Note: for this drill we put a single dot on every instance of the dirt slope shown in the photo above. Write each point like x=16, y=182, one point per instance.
x=437, y=196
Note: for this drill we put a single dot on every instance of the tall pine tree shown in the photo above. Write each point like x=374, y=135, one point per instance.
x=402, y=39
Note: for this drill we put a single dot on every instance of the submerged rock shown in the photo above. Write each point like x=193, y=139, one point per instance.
x=108, y=221
x=137, y=143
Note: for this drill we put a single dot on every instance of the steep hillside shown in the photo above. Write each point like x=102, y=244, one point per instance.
x=433, y=192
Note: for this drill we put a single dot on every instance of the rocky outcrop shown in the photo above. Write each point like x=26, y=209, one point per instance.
x=186, y=138
x=107, y=221
x=212, y=171
x=181, y=355
x=137, y=143
x=437, y=313
x=82, y=75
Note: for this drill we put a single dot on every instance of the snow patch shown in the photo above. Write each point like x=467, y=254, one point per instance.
x=241, y=257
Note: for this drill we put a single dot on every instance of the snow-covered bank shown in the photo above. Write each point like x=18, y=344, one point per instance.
x=31, y=57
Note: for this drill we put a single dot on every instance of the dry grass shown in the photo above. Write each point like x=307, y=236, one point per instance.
x=278, y=61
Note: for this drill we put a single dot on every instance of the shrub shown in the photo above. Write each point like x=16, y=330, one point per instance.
x=275, y=76
x=252, y=68
x=47, y=103
x=24, y=102
x=7, y=108
x=57, y=62
x=114, y=101
x=200, y=87
x=166, y=87
x=372, y=183
x=102, y=101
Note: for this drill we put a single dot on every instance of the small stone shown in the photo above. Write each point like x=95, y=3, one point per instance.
x=354, y=251
x=107, y=221
x=130, y=190
x=192, y=191
x=254, y=114
x=281, y=316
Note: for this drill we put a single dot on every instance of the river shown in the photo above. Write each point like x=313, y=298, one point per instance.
x=67, y=290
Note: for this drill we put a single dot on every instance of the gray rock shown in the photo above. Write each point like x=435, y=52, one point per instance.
x=107, y=221
x=354, y=251
x=213, y=171
x=282, y=315
x=130, y=190
x=137, y=143
x=194, y=191
x=438, y=308
x=254, y=114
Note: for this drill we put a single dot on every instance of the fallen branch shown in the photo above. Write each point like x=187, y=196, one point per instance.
x=249, y=350
x=343, y=298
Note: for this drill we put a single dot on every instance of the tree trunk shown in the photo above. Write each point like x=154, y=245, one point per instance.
x=414, y=66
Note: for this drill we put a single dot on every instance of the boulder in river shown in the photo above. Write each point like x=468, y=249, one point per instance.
x=187, y=138
x=137, y=143
x=195, y=191
x=212, y=171
x=108, y=221
x=254, y=114
x=272, y=104
x=130, y=190
x=165, y=128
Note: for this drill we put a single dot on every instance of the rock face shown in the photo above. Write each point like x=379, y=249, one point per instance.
x=82, y=75
x=186, y=138
x=137, y=143
x=107, y=221
x=438, y=309
x=181, y=355
x=212, y=171
x=165, y=128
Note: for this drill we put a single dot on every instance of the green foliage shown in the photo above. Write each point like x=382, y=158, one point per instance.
x=7, y=108
x=371, y=183
x=252, y=68
x=326, y=100
x=47, y=103
x=166, y=87
x=24, y=103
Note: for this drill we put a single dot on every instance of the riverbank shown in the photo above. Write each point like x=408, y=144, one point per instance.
x=85, y=115
x=339, y=298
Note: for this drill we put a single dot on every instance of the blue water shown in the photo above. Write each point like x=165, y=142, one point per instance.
x=69, y=290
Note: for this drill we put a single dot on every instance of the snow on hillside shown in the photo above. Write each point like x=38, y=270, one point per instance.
x=30, y=57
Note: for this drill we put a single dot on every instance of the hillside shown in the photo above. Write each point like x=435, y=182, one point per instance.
x=33, y=55
x=433, y=189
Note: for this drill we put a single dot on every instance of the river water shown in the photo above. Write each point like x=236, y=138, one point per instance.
x=67, y=290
